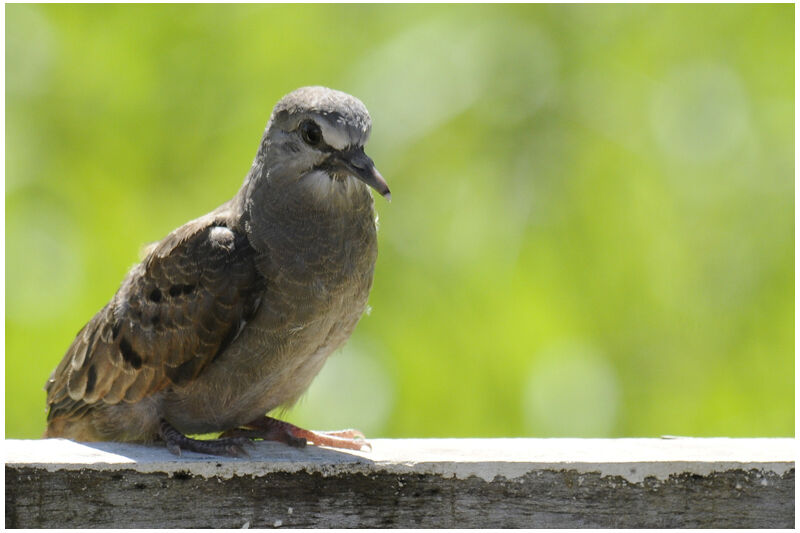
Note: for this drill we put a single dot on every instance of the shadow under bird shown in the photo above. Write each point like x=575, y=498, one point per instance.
x=234, y=313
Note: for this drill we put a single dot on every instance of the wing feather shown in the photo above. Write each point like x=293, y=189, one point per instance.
x=174, y=313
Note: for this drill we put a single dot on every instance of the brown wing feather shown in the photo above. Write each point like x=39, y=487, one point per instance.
x=172, y=315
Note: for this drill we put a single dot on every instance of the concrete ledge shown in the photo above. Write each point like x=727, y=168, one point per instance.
x=671, y=482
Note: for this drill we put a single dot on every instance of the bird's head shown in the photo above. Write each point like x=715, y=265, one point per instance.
x=315, y=138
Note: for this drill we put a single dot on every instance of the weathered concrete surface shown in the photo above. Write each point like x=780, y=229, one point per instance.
x=408, y=483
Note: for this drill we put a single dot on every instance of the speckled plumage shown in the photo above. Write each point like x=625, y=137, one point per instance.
x=234, y=313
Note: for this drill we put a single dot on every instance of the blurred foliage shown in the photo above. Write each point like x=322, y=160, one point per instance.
x=591, y=231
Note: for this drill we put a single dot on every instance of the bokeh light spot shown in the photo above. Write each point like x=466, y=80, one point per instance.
x=699, y=114
x=44, y=265
x=408, y=96
x=29, y=51
x=572, y=391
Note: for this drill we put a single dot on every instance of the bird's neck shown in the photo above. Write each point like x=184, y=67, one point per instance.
x=301, y=215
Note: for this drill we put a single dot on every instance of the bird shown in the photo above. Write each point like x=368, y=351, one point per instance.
x=233, y=314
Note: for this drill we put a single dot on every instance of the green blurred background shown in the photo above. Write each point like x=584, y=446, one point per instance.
x=591, y=231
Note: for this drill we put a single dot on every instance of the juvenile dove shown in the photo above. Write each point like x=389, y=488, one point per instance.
x=234, y=313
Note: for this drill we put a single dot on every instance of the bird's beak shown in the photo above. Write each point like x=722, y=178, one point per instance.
x=361, y=166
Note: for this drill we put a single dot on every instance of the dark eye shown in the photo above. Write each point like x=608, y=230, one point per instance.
x=310, y=132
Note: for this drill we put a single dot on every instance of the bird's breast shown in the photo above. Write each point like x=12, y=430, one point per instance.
x=317, y=286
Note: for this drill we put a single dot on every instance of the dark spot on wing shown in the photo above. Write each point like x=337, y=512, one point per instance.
x=129, y=355
x=115, y=329
x=155, y=295
x=91, y=379
x=177, y=290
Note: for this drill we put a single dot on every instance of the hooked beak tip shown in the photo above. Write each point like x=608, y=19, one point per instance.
x=362, y=167
x=378, y=183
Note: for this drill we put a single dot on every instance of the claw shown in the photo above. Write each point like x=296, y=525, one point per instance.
x=174, y=449
x=238, y=448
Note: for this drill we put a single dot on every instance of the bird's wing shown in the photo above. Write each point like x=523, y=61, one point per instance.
x=174, y=313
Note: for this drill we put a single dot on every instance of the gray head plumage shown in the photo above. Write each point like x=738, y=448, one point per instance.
x=337, y=107
x=316, y=137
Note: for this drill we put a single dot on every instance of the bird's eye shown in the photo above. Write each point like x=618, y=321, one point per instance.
x=310, y=132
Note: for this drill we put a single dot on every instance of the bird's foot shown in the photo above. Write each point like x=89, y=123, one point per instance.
x=268, y=428
x=177, y=441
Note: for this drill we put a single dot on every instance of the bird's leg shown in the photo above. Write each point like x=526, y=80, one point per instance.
x=268, y=428
x=177, y=441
